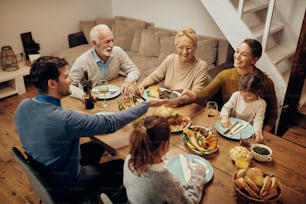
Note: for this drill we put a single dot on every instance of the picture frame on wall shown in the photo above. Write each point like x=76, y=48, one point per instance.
x=29, y=45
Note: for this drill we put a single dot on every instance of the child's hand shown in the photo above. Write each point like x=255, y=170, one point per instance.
x=198, y=169
x=259, y=137
x=225, y=122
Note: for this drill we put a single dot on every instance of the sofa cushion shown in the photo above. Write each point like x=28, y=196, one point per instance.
x=207, y=50
x=136, y=40
x=125, y=28
x=107, y=21
x=70, y=54
x=167, y=46
x=149, y=44
x=86, y=26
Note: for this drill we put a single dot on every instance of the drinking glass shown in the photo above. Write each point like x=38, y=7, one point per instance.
x=103, y=89
x=211, y=108
x=245, y=139
x=130, y=89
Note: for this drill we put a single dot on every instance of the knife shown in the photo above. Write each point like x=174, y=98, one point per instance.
x=185, y=168
x=239, y=128
x=230, y=128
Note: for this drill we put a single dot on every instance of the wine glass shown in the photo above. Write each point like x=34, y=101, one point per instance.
x=103, y=89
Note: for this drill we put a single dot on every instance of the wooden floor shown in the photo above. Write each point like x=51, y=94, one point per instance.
x=14, y=186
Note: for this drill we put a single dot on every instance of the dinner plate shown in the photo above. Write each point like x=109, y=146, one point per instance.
x=173, y=94
x=179, y=128
x=247, y=129
x=186, y=141
x=113, y=91
x=174, y=166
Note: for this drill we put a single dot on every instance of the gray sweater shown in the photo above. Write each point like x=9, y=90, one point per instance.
x=161, y=187
x=119, y=64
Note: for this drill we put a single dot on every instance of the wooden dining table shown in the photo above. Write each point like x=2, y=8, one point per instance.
x=288, y=159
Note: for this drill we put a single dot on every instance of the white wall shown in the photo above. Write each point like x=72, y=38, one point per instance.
x=172, y=14
x=293, y=11
x=49, y=21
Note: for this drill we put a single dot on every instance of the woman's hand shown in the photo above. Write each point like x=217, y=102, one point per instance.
x=191, y=95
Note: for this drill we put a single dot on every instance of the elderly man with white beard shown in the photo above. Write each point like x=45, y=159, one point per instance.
x=103, y=61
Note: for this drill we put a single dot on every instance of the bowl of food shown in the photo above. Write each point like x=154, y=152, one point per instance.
x=200, y=140
x=178, y=122
x=261, y=152
x=241, y=156
x=128, y=102
x=255, y=185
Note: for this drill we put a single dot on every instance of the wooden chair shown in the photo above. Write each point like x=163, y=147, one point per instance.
x=38, y=184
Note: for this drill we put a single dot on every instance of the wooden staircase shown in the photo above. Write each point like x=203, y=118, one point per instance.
x=260, y=19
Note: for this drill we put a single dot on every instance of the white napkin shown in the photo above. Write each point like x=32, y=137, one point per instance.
x=185, y=168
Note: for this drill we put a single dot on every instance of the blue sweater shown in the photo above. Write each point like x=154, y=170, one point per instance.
x=51, y=134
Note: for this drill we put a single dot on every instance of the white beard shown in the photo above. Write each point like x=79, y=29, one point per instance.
x=106, y=51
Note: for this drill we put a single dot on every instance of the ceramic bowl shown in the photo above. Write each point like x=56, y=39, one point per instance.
x=261, y=152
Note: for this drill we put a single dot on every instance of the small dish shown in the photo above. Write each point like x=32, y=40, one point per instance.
x=261, y=152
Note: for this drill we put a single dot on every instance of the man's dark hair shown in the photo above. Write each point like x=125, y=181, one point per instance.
x=45, y=68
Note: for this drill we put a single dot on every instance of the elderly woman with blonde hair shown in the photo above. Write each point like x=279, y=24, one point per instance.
x=182, y=70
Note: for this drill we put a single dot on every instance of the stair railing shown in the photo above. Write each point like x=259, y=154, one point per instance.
x=267, y=23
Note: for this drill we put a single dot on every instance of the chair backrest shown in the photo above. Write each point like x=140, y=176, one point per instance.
x=37, y=183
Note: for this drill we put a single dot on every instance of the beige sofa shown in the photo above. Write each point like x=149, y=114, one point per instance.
x=145, y=44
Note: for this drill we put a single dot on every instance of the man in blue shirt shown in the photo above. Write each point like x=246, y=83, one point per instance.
x=50, y=135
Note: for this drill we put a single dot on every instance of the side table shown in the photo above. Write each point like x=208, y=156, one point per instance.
x=12, y=82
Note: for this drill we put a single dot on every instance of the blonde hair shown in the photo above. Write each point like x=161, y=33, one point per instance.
x=188, y=32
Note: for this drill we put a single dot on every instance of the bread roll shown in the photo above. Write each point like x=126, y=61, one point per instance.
x=241, y=173
x=240, y=183
x=272, y=192
x=252, y=184
x=251, y=192
x=255, y=174
x=266, y=185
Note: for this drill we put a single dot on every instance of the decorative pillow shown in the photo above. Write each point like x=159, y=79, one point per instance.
x=125, y=31
x=207, y=50
x=167, y=46
x=86, y=26
x=106, y=21
x=150, y=43
x=136, y=40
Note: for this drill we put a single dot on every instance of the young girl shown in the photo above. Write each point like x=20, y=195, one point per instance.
x=145, y=177
x=247, y=104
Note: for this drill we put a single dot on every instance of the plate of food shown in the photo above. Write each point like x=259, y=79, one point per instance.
x=238, y=126
x=128, y=102
x=200, y=140
x=175, y=166
x=158, y=92
x=178, y=122
x=112, y=91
